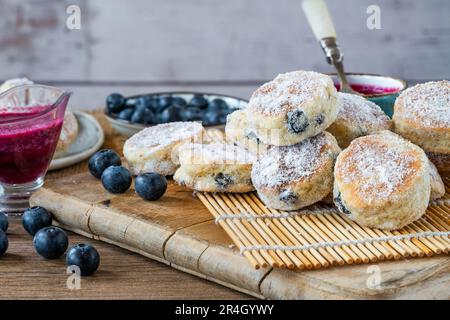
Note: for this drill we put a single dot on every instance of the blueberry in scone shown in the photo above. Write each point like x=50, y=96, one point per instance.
x=293, y=107
x=215, y=167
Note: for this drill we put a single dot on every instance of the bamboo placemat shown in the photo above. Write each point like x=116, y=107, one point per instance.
x=319, y=236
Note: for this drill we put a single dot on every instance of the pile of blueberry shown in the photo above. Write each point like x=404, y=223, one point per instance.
x=51, y=242
x=107, y=166
x=155, y=109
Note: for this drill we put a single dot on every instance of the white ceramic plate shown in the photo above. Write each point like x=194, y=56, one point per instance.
x=90, y=138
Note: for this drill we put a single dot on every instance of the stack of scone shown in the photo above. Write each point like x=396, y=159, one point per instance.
x=287, y=144
x=284, y=126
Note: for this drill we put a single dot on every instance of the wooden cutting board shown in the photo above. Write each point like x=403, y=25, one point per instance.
x=180, y=232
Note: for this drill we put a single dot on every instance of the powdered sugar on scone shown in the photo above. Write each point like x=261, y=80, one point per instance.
x=377, y=169
x=288, y=91
x=283, y=165
x=164, y=134
x=362, y=112
x=429, y=102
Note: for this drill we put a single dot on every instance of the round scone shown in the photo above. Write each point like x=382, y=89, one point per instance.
x=238, y=132
x=422, y=115
x=150, y=150
x=215, y=167
x=293, y=107
x=69, y=133
x=357, y=117
x=441, y=161
x=293, y=177
x=382, y=181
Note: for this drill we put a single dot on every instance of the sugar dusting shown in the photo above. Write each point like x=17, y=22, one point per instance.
x=430, y=102
x=362, y=112
x=214, y=153
x=288, y=91
x=282, y=165
x=376, y=165
x=164, y=134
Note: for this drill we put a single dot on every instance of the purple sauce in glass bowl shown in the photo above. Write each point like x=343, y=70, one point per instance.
x=31, y=118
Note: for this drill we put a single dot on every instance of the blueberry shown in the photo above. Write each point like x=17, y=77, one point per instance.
x=170, y=114
x=211, y=118
x=179, y=102
x=150, y=186
x=164, y=102
x=198, y=101
x=192, y=114
x=319, y=119
x=36, y=218
x=101, y=160
x=223, y=117
x=297, y=122
x=3, y=242
x=142, y=115
x=340, y=205
x=116, y=179
x=288, y=196
x=85, y=257
x=131, y=102
x=115, y=102
x=50, y=242
x=146, y=102
x=223, y=180
x=3, y=222
x=125, y=114
x=217, y=104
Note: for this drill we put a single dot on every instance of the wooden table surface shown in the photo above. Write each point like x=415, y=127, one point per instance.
x=122, y=275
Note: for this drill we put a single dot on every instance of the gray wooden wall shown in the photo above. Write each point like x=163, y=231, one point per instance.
x=227, y=46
